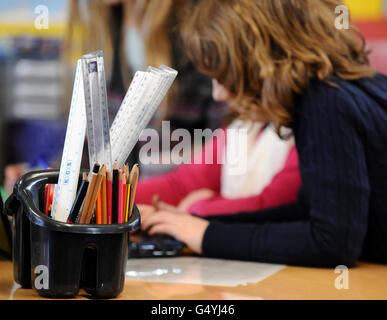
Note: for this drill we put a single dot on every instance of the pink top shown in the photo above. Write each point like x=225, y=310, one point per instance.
x=178, y=183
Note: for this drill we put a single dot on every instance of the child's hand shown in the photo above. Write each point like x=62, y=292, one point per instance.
x=193, y=197
x=12, y=172
x=162, y=206
x=184, y=227
x=148, y=210
x=145, y=210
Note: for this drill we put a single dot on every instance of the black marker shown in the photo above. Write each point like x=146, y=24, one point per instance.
x=115, y=193
x=78, y=200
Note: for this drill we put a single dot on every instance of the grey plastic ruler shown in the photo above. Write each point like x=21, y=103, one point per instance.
x=97, y=115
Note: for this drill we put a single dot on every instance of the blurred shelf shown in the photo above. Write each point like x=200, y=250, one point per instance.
x=23, y=29
x=362, y=10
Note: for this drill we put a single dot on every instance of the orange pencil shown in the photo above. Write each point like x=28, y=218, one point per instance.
x=101, y=173
x=98, y=209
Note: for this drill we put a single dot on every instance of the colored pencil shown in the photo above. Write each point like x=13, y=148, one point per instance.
x=127, y=202
x=128, y=191
x=125, y=191
x=127, y=173
x=120, y=198
x=47, y=190
x=109, y=196
x=134, y=174
x=104, y=200
x=50, y=200
x=115, y=193
x=76, y=208
x=90, y=189
x=94, y=195
x=98, y=208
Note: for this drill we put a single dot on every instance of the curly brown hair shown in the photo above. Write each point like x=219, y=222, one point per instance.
x=266, y=51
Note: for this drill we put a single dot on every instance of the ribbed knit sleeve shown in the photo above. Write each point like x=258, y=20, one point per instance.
x=335, y=188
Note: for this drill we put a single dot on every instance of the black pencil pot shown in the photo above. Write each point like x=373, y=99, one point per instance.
x=56, y=258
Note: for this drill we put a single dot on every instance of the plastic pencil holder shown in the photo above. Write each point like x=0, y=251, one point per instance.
x=57, y=258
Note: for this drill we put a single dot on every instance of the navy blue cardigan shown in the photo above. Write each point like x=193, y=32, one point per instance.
x=341, y=212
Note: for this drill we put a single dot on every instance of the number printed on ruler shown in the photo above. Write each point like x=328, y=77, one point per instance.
x=66, y=188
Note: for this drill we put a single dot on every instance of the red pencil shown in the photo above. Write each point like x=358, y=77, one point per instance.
x=104, y=200
x=47, y=190
x=50, y=200
x=109, y=189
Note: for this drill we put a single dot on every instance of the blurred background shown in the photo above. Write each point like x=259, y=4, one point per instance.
x=40, y=41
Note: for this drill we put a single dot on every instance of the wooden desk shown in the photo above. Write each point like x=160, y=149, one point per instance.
x=366, y=281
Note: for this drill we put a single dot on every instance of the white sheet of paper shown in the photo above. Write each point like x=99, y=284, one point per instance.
x=197, y=270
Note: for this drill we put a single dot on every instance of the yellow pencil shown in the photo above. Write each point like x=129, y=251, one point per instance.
x=128, y=189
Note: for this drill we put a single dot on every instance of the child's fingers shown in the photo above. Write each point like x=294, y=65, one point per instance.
x=160, y=205
x=144, y=216
x=145, y=211
x=193, y=197
x=158, y=217
x=144, y=208
x=163, y=228
x=166, y=207
x=156, y=201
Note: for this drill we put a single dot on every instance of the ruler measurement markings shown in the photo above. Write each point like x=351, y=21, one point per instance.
x=137, y=116
x=65, y=190
x=97, y=110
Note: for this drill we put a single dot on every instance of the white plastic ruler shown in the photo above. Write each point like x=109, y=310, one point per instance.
x=136, y=89
x=139, y=105
x=98, y=134
x=89, y=112
x=66, y=188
